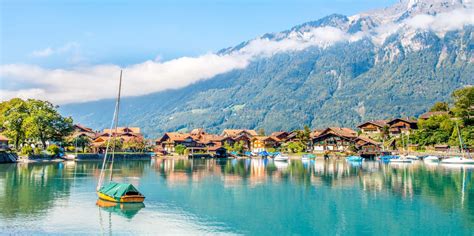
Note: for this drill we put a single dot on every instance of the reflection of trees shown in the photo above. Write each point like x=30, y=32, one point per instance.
x=33, y=188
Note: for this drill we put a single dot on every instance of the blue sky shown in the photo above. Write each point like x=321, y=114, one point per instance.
x=62, y=34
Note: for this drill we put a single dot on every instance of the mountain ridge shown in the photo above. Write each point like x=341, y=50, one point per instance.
x=400, y=75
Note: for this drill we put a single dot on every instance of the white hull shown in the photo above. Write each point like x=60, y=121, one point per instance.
x=401, y=161
x=431, y=159
x=280, y=158
x=458, y=160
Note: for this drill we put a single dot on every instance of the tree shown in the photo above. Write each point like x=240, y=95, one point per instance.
x=440, y=106
x=295, y=147
x=134, y=144
x=464, y=104
x=81, y=141
x=180, y=149
x=239, y=146
x=45, y=123
x=12, y=119
x=53, y=149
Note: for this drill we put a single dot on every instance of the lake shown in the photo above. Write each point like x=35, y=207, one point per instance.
x=252, y=197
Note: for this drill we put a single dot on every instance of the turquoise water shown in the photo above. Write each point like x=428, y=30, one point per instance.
x=254, y=197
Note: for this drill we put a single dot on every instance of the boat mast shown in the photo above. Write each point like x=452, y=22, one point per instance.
x=102, y=171
x=117, y=107
x=460, y=140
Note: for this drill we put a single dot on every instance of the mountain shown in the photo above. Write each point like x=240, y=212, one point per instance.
x=338, y=70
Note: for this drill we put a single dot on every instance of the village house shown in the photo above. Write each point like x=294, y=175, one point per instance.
x=240, y=135
x=367, y=147
x=334, y=139
x=124, y=134
x=280, y=136
x=80, y=130
x=170, y=140
x=400, y=126
x=427, y=115
x=3, y=142
x=263, y=143
x=373, y=128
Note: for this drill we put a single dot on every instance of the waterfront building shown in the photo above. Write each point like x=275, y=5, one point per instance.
x=367, y=147
x=334, y=139
x=280, y=136
x=263, y=143
x=80, y=130
x=170, y=140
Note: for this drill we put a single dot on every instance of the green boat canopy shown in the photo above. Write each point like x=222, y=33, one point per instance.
x=117, y=190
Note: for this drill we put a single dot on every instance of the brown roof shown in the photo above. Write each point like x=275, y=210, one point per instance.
x=345, y=132
x=124, y=130
x=198, y=131
x=407, y=119
x=83, y=128
x=214, y=148
x=264, y=138
x=175, y=136
x=362, y=140
x=379, y=123
x=209, y=138
x=4, y=138
x=236, y=132
x=432, y=113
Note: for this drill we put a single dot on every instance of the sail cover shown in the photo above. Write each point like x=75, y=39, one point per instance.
x=117, y=190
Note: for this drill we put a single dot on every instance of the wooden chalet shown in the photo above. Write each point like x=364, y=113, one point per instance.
x=280, y=136
x=262, y=143
x=170, y=140
x=372, y=128
x=80, y=130
x=367, y=147
x=400, y=126
x=334, y=139
x=238, y=132
x=441, y=147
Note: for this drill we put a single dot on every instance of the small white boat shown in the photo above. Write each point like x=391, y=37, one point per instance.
x=412, y=157
x=280, y=157
x=431, y=159
x=402, y=159
x=70, y=157
x=458, y=160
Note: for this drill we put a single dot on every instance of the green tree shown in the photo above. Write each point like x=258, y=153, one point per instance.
x=440, y=106
x=81, y=141
x=295, y=147
x=45, y=123
x=12, y=118
x=238, y=146
x=464, y=104
x=134, y=144
x=53, y=149
x=180, y=148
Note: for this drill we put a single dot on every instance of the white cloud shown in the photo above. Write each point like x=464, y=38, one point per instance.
x=46, y=52
x=97, y=82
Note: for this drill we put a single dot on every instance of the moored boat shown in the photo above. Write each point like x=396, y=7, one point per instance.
x=120, y=192
x=431, y=159
x=280, y=157
x=457, y=160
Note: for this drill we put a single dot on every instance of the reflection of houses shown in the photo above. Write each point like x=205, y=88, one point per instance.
x=373, y=128
x=263, y=143
x=401, y=126
x=3, y=142
x=334, y=139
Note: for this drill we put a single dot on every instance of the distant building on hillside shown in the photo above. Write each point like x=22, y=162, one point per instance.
x=400, y=126
x=427, y=115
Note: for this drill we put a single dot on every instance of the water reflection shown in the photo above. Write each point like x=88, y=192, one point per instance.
x=127, y=210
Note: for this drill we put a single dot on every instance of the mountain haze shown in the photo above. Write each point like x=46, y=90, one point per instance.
x=338, y=70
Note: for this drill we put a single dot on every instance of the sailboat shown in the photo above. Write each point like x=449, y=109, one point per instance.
x=402, y=158
x=113, y=191
x=458, y=160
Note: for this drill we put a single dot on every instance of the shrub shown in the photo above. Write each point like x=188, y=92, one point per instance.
x=180, y=149
x=53, y=149
x=37, y=151
x=26, y=150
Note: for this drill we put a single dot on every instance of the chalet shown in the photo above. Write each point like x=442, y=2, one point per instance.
x=401, y=126
x=217, y=151
x=3, y=142
x=80, y=130
x=367, y=147
x=238, y=132
x=427, y=115
x=280, y=136
x=171, y=139
x=334, y=139
x=262, y=143
x=372, y=128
